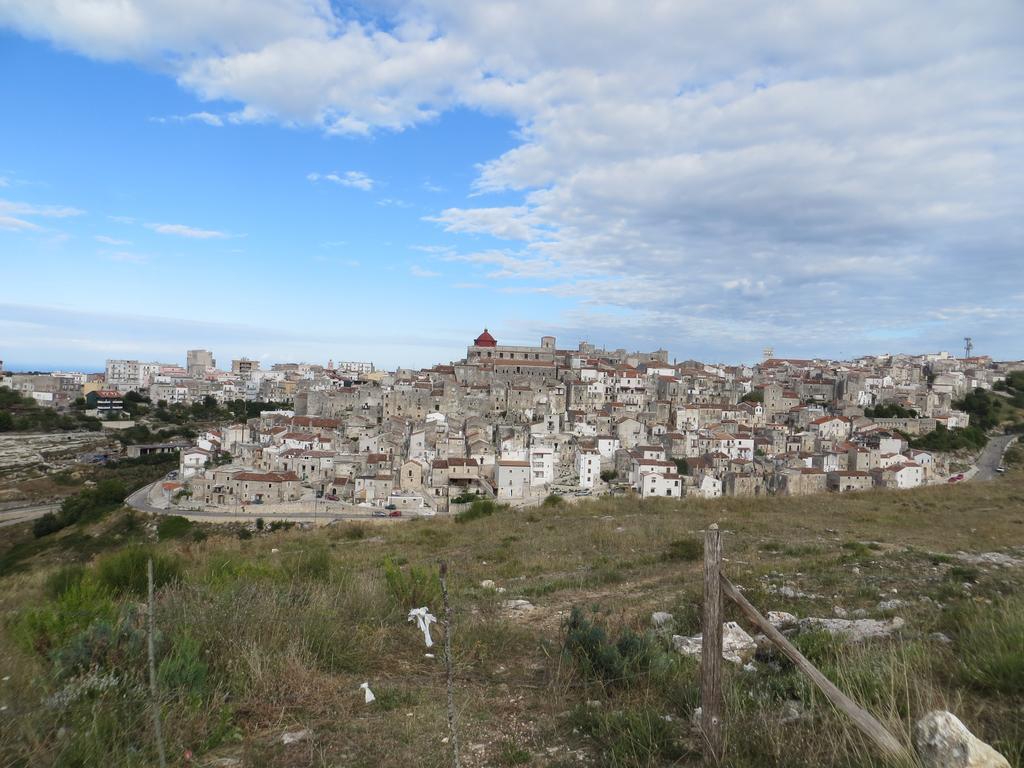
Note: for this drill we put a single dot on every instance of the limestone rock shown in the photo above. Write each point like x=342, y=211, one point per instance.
x=294, y=737
x=487, y=584
x=942, y=741
x=891, y=605
x=661, y=618
x=781, y=619
x=854, y=630
x=737, y=646
x=990, y=558
x=518, y=606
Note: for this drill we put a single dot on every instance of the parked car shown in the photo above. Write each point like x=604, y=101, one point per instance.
x=395, y=513
x=1000, y=469
x=956, y=478
x=331, y=497
x=390, y=506
x=379, y=513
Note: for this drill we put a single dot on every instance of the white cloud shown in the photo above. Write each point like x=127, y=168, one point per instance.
x=14, y=224
x=17, y=216
x=183, y=230
x=107, y=240
x=209, y=118
x=353, y=179
x=783, y=170
x=417, y=271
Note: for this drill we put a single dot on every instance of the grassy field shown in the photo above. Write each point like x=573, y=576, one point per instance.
x=273, y=632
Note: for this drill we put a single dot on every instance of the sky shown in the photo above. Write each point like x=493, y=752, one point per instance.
x=304, y=180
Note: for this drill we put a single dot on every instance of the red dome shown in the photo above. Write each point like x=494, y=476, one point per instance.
x=485, y=340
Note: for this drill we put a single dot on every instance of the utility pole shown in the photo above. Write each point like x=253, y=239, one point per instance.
x=968, y=346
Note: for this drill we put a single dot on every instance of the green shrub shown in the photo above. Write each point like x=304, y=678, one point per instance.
x=631, y=659
x=125, y=572
x=50, y=626
x=45, y=525
x=553, y=500
x=183, y=669
x=173, y=527
x=413, y=587
x=630, y=738
x=307, y=565
x=63, y=579
x=479, y=508
x=686, y=550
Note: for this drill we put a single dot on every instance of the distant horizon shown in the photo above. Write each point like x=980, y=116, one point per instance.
x=17, y=367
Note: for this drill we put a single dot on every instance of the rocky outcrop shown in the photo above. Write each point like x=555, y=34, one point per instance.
x=737, y=646
x=942, y=741
x=853, y=630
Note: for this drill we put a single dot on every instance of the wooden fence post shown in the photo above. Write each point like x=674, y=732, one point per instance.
x=863, y=719
x=154, y=698
x=711, y=647
x=449, y=665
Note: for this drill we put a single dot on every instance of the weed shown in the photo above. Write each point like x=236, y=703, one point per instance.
x=125, y=572
x=478, y=509
x=412, y=587
x=992, y=641
x=637, y=737
x=173, y=527
x=63, y=579
x=685, y=550
x=510, y=753
x=183, y=669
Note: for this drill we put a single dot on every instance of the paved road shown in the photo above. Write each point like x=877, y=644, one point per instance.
x=992, y=456
x=140, y=501
x=24, y=514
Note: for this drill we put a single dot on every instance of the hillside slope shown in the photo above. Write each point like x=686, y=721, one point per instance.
x=275, y=632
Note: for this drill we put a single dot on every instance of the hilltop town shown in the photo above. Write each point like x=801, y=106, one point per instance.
x=518, y=423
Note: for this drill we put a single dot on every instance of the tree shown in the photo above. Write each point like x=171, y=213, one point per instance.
x=754, y=396
x=682, y=466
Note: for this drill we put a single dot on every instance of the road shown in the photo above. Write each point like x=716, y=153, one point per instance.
x=992, y=456
x=140, y=501
x=24, y=514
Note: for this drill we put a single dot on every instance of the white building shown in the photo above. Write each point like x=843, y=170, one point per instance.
x=588, y=467
x=513, y=479
x=542, y=465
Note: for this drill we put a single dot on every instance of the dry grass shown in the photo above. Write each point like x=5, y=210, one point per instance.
x=256, y=642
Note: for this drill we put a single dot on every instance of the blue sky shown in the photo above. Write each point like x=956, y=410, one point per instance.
x=297, y=180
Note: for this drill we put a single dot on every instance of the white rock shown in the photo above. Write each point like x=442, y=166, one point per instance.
x=891, y=605
x=854, y=630
x=942, y=741
x=661, y=618
x=990, y=558
x=487, y=584
x=518, y=606
x=294, y=737
x=781, y=619
x=838, y=610
x=737, y=646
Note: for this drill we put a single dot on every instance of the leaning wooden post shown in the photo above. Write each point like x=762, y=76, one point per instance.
x=863, y=719
x=154, y=699
x=711, y=648
x=449, y=665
